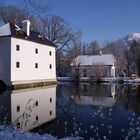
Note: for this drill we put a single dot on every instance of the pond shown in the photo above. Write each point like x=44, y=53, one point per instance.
x=90, y=111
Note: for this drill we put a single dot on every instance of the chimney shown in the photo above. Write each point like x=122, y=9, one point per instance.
x=26, y=26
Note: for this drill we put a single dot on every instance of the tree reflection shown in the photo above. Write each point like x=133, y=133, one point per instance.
x=129, y=97
x=99, y=111
x=126, y=95
x=23, y=120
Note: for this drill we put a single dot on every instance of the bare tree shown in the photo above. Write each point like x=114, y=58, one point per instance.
x=134, y=58
x=60, y=63
x=15, y=15
x=78, y=49
x=114, y=48
x=93, y=48
x=55, y=29
x=58, y=31
x=31, y=9
x=12, y=14
x=97, y=72
x=69, y=54
x=120, y=54
x=76, y=71
x=121, y=65
x=36, y=6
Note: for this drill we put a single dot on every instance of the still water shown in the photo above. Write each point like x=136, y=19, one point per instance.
x=91, y=111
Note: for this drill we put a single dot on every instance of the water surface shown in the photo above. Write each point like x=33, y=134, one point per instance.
x=91, y=111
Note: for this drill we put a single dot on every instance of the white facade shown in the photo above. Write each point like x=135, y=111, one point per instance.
x=23, y=61
x=113, y=71
x=88, y=64
x=28, y=58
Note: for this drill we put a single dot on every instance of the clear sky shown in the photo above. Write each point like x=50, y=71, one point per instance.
x=101, y=20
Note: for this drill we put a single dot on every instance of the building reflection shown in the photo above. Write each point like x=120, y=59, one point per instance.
x=103, y=95
x=31, y=108
x=113, y=91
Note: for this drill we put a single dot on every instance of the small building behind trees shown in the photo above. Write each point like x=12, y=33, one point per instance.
x=94, y=66
x=26, y=57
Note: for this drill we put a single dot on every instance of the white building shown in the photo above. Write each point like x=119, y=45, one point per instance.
x=25, y=56
x=91, y=65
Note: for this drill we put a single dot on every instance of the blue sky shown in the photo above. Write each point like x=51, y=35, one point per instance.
x=101, y=20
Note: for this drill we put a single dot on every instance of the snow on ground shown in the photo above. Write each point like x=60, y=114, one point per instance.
x=111, y=80
x=134, y=80
x=7, y=133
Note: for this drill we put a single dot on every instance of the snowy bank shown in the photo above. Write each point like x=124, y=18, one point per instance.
x=109, y=80
x=65, y=79
x=134, y=81
x=7, y=133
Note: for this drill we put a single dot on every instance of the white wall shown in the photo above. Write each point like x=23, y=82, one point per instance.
x=113, y=71
x=5, y=59
x=26, y=100
x=27, y=58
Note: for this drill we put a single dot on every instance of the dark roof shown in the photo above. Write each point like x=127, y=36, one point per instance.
x=34, y=36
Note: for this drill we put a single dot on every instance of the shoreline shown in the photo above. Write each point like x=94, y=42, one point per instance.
x=107, y=80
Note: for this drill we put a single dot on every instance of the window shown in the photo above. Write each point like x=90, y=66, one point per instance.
x=50, y=112
x=18, y=108
x=36, y=65
x=50, y=53
x=50, y=66
x=50, y=100
x=36, y=103
x=17, y=64
x=18, y=125
x=17, y=47
x=36, y=51
x=36, y=118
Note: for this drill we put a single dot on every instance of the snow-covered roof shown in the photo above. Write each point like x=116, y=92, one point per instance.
x=88, y=60
x=5, y=30
x=15, y=31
